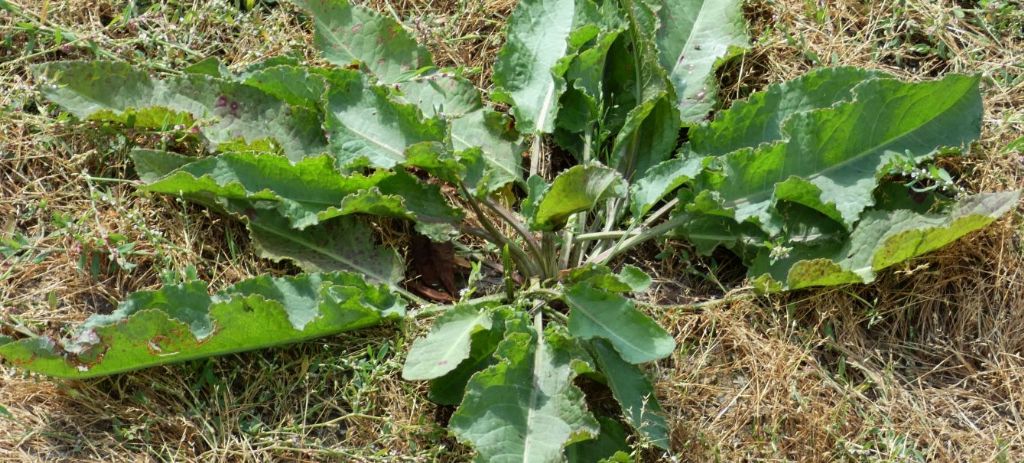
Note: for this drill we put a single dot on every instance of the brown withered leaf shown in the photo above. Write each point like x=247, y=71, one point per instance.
x=433, y=267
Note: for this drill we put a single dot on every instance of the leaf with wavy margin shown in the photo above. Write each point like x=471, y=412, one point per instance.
x=693, y=37
x=344, y=243
x=834, y=157
x=759, y=119
x=368, y=125
x=447, y=344
x=307, y=192
x=660, y=180
x=542, y=36
x=224, y=110
x=184, y=322
x=881, y=239
x=634, y=393
x=348, y=34
x=472, y=124
x=525, y=407
x=577, y=189
x=596, y=313
x=609, y=446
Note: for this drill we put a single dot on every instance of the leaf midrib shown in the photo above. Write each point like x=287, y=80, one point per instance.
x=749, y=199
x=545, y=107
x=489, y=161
x=579, y=308
x=345, y=261
x=465, y=333
x=534, y=396
x=397, y=153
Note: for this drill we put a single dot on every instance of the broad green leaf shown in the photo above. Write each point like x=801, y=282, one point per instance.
x=210, y=66
x=367, y=125
x=536, y=191
x=693, y=36
x=834, y=157
x=472, y=124
x=426, y=202
x=272, y=62
x=577, y=189
x=607, y=446
x=152, y=165
x=707, y=232
x=596, y=313
x=582, y=105
x=347, y=34
x=629, y=279
x=637, y=280
x=447, y=344
x=464, y=167
x=307, y=192
x=639, y=111
x=632, y=71
x=634, y=393
x=502, y=148
x=343, y=243
x=530, y=68
x=648, y=137
x=294, y=85
x=881, y=239
x=525, y=407
x=760, y=118
x=442, y=94
x=587, y=71
x=184, y=322
x=225, y=111
x=619, y=457
x=661, y=180
x=450, y=388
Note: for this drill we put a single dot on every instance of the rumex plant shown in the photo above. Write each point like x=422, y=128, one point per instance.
x=823, y=180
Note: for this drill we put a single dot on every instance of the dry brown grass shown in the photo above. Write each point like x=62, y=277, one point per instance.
x=925, y=365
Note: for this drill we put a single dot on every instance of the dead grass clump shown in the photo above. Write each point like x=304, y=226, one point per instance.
x=946, y=356
x=746, y=387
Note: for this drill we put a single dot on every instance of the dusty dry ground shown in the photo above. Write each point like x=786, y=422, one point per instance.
x=925, y=365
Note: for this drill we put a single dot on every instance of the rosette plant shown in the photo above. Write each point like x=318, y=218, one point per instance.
x=823, y=180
